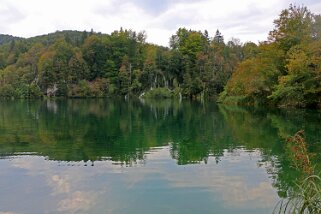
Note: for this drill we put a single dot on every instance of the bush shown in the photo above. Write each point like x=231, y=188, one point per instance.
x=62, y=90
x=96, y=88
x=34, y=91
x=162, y=93
x=82, y=89
x=7, y=91
x=28, y=91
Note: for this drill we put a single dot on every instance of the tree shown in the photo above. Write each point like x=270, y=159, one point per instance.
x=47, y=76
x=95, y=54
x=301, y=86
x=218, y=38
x=78, y=68
x=292, y=27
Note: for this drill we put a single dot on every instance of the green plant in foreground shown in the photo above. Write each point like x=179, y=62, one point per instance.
x=307, y=197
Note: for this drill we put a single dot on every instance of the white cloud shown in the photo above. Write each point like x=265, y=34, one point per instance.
x=60, y=184
x=77, y=201
x=236, y=188
x=237, y=181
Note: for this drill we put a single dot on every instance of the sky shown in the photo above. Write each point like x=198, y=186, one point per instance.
x=247, y=20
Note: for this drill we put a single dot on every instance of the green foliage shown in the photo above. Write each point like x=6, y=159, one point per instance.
x=305, y=198
x=234, y=100
x=200, y=65
x=292, y=27
x=4, y=39
x=71, y=63
x=248, y=83
x=300, y=87
x=28, y=91
x=82, y=89
x=157, y=93
x=95, y=54
x=98, y=88
x=286, y=71
x=250, y=50
x=7, y=91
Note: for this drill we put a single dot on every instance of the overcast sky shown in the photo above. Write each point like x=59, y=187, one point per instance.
x=248, y=20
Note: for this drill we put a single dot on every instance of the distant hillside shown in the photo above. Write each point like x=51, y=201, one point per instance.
x=7, y=38
x=72, y=37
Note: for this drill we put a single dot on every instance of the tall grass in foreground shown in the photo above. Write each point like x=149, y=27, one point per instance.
x=307, y=197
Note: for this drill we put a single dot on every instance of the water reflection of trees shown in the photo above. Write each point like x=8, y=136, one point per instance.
x=77, y=130
x=83, y=130
x=267, y=130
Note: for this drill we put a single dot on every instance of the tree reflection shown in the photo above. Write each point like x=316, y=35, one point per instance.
x=124, y=131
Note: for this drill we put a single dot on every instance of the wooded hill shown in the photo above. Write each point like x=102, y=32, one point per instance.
x=89, y=64
x=284, y=70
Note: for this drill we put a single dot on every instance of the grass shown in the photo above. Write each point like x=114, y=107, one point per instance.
x=306, y=198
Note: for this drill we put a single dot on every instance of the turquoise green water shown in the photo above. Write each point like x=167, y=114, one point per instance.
x=113, y=156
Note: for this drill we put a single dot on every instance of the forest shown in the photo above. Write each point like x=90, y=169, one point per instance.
x=283, y=71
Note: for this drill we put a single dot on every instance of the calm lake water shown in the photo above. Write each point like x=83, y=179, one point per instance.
x=115, y=156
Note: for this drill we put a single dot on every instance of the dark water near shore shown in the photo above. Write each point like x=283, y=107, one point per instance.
x=115, y=156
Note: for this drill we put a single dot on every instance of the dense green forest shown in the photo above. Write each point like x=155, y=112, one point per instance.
x=89, y=64
x=284, y=71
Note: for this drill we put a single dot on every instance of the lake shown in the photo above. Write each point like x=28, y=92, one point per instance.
x=140, y=156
